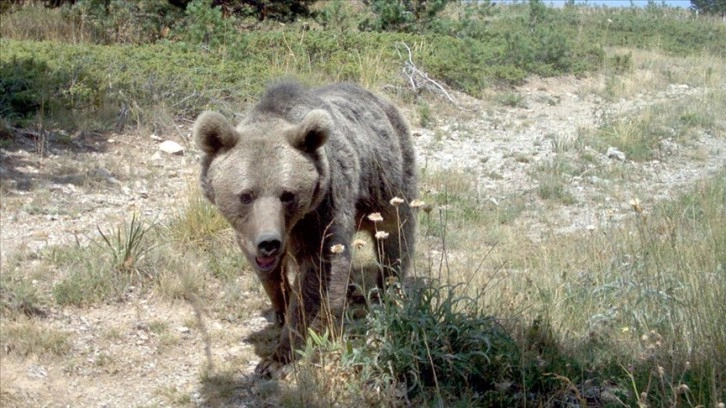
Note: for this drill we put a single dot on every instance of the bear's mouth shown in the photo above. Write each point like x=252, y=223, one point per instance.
x=266, y=262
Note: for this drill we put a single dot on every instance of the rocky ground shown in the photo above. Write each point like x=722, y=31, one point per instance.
x=121, y=358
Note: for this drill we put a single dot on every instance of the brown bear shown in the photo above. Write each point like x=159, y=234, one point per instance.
x=296, y=179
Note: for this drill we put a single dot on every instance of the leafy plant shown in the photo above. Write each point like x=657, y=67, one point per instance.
x=119, y=22
x=280, y=10
x=439, y=343
x=709, y=6
x=403, y=15
x=127, y=245
x=205, y=24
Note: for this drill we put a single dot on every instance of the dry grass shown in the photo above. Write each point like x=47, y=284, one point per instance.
x=647, y=71
x=24, y=337
x=610, y=290
x=38, y=23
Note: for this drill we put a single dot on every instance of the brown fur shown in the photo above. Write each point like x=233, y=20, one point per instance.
x=297, y=176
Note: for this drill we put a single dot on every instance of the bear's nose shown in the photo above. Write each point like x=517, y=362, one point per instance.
x=268, y=244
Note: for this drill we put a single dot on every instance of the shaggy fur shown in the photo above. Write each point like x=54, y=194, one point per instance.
x=299, y=175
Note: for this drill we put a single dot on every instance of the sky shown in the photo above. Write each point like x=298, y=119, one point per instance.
x=610, y=3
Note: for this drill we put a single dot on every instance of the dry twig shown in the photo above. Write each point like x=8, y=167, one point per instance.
x=420, y=79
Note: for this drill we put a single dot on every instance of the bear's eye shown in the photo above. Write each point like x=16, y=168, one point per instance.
x=287, y=197
x=246, y=198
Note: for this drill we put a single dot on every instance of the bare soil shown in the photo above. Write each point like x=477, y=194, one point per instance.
x=119, y=357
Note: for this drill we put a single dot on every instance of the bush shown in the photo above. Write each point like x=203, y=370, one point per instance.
x=280, y=10
x=124, y=22
x=205, y=24
x=29, y=86
x=403, y=15
x=439, y=343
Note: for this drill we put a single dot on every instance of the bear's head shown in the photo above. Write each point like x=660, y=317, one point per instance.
x=264, y=176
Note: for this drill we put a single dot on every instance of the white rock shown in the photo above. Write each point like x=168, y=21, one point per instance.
x=614, y=153
x=171, y=147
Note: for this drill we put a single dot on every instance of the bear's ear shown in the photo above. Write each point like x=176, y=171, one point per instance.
x=212, y=131
x=312, y=132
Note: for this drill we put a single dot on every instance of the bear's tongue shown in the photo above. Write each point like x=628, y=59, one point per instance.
x=265, y=262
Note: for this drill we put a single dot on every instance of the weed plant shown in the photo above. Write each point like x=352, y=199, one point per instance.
x=628, y=315
x=439, y=344
x=127, y=246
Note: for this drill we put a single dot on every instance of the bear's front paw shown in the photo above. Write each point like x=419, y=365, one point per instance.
x=272, y=369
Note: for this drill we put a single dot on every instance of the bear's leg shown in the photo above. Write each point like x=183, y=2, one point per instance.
x=317, y=300
x=304, y=304
x=320, y=293
x=333, y=307
x=277, y=287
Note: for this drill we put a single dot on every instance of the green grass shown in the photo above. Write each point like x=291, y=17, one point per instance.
x=19, y=295
x=639, y=134
x=552, y=180
x=197, y=223
x=69, y=83
x=659, y=273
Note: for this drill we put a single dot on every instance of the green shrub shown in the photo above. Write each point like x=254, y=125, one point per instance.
x=206, y=60
x=440, y=344
x=205, y=24
x=31, y=86
x=280, y=10
x=123, y=22
x=403, y=15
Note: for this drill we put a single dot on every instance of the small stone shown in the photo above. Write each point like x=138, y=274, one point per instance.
x=614, y=153
x=37, y=372
x=103, y=173
x=171, y=147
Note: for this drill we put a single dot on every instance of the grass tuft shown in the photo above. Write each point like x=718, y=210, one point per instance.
x=439, y=344
x=25, y=338
x=127, y=245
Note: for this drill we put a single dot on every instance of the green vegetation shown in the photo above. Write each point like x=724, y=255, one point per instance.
x=640, y=135
x=709, y=6
x=207, y=61
x=438, y=341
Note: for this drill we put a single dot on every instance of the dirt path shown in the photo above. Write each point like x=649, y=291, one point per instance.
x=151, y=352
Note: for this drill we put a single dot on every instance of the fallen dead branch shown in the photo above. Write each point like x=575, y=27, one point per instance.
x=419, y=79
